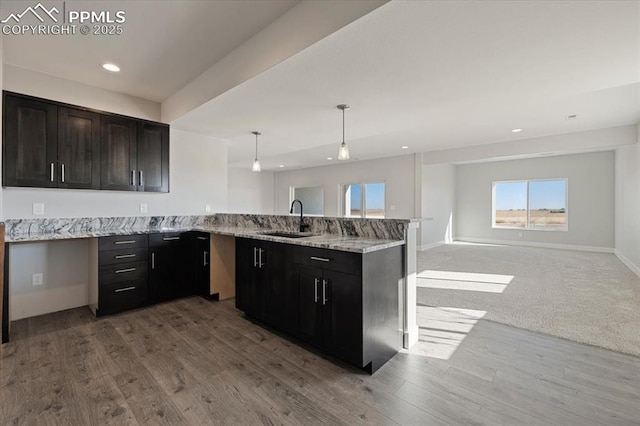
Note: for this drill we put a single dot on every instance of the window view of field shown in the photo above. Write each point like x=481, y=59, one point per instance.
x=546, y=201
x=372, y=199
x=544, y=218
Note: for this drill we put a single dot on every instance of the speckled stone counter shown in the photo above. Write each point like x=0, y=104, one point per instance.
x=353, y=235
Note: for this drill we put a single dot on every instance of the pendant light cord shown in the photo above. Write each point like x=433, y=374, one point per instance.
x=256, y=146
x=343, y=126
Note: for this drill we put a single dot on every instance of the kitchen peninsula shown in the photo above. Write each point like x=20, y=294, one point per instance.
x=339, y=287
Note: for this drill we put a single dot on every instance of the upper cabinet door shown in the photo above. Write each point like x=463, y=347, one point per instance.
x=30, y=143
x=78, y=149
x=118, y=152
x=153, y=157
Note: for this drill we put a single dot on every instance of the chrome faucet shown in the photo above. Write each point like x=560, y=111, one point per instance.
x=303, y=226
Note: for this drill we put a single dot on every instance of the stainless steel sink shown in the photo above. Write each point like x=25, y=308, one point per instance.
x=287, y=234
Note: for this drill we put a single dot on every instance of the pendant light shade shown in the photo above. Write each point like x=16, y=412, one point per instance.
x=343, y=153
x=256, y=163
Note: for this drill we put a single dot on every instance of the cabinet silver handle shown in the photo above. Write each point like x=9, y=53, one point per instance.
x=324, y=292
x=133, y=177
x=53, y=168
x=204, y=259
x=122, y=271
x=170, y=238
x=125, y=242
x=315, y=290
x=140, y=178
x=124, y=289
x=260, y=264
x=124, y=256
x=320, y=259
x=201, y=238
x=153, y=261
x=255, y=257
x=62, y=172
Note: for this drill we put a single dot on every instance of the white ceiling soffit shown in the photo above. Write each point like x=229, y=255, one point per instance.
x=164, y=45
x=437, y=75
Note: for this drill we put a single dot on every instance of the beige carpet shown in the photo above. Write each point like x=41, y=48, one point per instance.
x=586, y=297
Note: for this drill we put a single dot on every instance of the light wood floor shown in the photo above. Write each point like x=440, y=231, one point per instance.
x=197, y=362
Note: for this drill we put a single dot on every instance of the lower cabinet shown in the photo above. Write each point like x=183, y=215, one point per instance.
x=122, y=273
x=346, y=304
x=169, y=272
x=201, y=262
x=136, y=270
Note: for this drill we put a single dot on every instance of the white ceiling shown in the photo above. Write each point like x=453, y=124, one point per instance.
x=436, y=75
x=427, y=74
x=164, y=44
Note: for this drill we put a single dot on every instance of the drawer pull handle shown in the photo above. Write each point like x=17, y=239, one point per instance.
x=124, y=289
x=170, y=238
x=124, y=256
x=315, y=290
x=204, y=259
x=122, y=271
x=201, y=238
x=320, y=259
x=125, y=242
x=153, y=261
x=52, y=171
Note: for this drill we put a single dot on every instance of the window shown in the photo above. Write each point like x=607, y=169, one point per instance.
x=530, y=204
x=312, y=198
x=368, y=203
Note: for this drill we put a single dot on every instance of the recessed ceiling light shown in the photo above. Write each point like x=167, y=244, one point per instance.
x=111, y=67
x=516, y=130
x=404, y=147
x=329, y=158
x=281, y=165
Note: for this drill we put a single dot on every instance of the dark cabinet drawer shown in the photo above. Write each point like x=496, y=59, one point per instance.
x=122, y=296
x=332, y=260
x=113, y=257
x=165, y=238
x=117, y=273
x=118, y=242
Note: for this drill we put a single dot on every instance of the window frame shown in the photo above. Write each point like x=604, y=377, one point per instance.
x=528, y=224
x=363, y=198
x=292, y=190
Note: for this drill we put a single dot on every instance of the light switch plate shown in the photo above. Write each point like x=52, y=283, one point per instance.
x=37, y=279
x=144, y=208
x=207, y=208
x=38, y=209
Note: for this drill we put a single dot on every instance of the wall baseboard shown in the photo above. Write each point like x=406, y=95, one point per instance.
x=535, y=244
x=431, y=245
x=627, y=262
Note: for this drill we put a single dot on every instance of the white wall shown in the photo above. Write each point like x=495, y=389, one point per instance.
x=590, y=194
x=22, y=80
x=628, y=206
x=396, y=172
x=250, y=192
x=438, y=204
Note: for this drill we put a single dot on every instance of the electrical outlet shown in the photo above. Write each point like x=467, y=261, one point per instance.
x=392, y=207
x=144, y=208
x=37, y=279
x=207, y=208
x=519, y=234
x=38, y=209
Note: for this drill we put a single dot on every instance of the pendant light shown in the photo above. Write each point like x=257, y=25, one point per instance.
x=343, y=153
x=256, y=163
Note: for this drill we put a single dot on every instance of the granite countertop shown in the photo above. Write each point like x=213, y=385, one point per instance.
x=326, y=241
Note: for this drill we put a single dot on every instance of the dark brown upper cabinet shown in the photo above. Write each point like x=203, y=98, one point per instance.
x=118, y=144
x=78, y=149
x=48, y=144
x=153, y=157
x=30, y=145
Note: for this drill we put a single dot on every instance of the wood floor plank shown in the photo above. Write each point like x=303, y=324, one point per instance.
x=193, y=361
